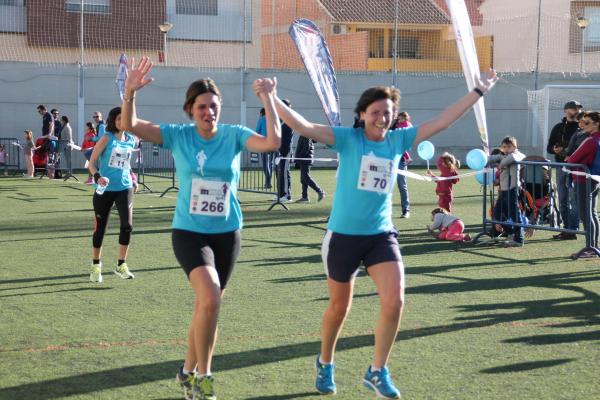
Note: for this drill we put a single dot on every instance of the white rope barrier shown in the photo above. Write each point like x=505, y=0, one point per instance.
x=581, y=173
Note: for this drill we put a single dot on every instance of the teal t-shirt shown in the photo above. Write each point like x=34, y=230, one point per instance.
x=358, y=211
x=115, y=162
x=216, y=163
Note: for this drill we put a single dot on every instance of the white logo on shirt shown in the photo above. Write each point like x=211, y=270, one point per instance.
x=201, y=158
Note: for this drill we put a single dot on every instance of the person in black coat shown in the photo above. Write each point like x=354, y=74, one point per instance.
x=305, y=149
x=283, y=167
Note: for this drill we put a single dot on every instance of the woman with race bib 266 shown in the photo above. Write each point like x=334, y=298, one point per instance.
x=208, y=217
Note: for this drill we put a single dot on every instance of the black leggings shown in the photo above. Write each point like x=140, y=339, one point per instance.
x=307, y=180
x=102, y=204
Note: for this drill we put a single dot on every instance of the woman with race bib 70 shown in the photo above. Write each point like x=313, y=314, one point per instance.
x=208, y=217
x=360, y=228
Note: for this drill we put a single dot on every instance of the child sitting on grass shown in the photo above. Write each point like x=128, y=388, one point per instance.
x=450, y=227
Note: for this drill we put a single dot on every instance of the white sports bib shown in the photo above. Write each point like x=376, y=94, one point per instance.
x=119, y=157
x=376, y=174
x=209, y=198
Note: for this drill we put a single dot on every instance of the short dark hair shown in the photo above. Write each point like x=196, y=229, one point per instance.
x=196, y=89
x=41, y=107
x=509, y=140
x=374, y=94
x=53, y=111
x=111, y=120
x=439, y=210
x=64, y=119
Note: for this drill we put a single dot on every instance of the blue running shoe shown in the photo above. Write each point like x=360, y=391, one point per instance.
x=325, y=374
x=381, y=383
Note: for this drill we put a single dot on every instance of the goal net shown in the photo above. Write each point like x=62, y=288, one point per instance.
x=546, y=108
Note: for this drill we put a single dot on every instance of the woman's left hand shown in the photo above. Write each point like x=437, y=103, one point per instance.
x=265, y=86
x=487, y=80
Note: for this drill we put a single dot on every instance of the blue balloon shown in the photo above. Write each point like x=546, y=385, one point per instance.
x=489, y=175
x=425, y=150
x=476, y=159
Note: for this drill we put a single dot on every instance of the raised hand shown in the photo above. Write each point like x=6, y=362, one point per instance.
x=265, y=86
x=138, y=75
x=487, y=80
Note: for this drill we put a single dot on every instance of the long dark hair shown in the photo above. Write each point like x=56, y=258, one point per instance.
x=111, y=120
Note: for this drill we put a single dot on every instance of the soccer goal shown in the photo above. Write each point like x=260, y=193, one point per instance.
x=546, y=108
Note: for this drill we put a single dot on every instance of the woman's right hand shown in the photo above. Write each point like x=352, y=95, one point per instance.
x=137, y=76
x=102, y=181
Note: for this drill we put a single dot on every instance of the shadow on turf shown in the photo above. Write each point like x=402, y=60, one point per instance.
x=526, y=366
x=74, y=276
x=94, y=288
x=284, y=396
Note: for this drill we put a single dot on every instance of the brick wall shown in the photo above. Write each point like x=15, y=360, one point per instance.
x=131, y=24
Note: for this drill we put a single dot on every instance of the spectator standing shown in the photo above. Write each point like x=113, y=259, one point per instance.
x=448, y=166
x=507, y=206
x=87, y=146
x=28, y=149
x=589, y=155
x=57, y=123
x=67, y=140
x=99, y=125
x=3, y=159
x=403, y=121
x=305, y=149
x=47, y=120
x=560, y=135
x=267, y=158
x=283, y=167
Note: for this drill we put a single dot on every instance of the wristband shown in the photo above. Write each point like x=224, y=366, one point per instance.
x=97, y=176
x=478, y=91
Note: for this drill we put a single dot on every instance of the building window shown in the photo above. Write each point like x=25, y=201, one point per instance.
x=592, y=32
x=196, y=7
x=17, y=3
x=89, y=6
x=376, y=41
x=408, y=46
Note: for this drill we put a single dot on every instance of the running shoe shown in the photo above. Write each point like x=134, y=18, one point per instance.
x=381, y=383
x=203, y=389
x=186, y=382
x=124, y=272
x=96, y=273
x=325, y=383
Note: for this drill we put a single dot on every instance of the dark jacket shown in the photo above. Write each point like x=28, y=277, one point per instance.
x=560, y=135
x=286, y=140
x=576, y=141
x=305, y=148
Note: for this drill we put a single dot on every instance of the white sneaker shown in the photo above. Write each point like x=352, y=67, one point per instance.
x=123, y=272
x=284, y=199
x=96, y=273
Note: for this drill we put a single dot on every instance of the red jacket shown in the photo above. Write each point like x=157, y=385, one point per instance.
x=585, y=154
x=445, y=186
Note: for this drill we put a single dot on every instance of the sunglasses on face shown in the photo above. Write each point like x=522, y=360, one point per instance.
x=95, y=116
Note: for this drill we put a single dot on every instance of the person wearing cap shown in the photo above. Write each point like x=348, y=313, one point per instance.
x=557, y=144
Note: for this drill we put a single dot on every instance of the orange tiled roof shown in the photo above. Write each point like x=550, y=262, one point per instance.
x=382, y=11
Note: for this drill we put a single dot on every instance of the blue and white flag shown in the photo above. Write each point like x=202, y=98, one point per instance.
x=122, y=75
x=468, y=56
x=317, y=61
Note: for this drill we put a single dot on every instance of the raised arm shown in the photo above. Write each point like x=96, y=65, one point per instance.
x=317, y=132
x=453, y=112
x=137, y=79
x=265, y=90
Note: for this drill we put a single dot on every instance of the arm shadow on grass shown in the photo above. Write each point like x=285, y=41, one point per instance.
x=95, y=288
x=527, y=366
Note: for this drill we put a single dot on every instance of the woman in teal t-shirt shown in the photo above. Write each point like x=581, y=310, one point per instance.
x=360, y=228
x=110, y=166
x=208, y=218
